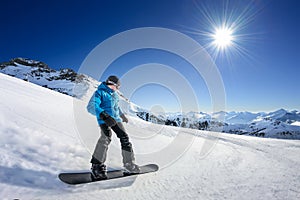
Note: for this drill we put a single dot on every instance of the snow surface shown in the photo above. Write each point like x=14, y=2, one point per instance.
x=296, y=124
x=39, y=138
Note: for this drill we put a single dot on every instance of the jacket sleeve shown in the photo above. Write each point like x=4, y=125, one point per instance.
x=120, y=111
x=97, y=103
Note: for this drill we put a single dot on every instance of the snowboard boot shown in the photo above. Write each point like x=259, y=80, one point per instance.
x=131, y=168
x=99, y=171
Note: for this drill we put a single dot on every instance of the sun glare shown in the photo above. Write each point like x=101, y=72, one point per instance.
x=223, y=27
x=223, y=37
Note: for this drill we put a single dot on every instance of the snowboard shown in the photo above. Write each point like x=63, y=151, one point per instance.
x=87, y=177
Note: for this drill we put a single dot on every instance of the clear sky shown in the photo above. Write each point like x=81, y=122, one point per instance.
x=259, y=63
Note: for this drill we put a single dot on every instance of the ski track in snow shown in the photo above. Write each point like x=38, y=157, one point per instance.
x=38, y=139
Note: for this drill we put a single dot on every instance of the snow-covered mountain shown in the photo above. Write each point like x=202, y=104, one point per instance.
x=65, y=81
x=284, y=116
x=278, y=124
x=39, y=139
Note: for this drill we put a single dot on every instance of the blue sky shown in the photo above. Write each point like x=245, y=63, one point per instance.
x=262, y=76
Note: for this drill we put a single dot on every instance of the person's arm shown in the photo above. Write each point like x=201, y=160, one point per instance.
x=109, y=121
x=122, y=115
x=97, y=103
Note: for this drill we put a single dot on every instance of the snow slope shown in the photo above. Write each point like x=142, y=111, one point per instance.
x=39, y=138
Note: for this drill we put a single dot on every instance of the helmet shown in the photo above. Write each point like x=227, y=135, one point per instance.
x=113, y=80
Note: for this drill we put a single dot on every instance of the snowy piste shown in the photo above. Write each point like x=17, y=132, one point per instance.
x=38, y=140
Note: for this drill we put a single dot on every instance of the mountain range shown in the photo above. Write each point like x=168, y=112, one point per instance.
x=277, y=124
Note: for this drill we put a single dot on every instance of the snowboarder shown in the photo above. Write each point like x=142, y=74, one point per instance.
x=110, y=117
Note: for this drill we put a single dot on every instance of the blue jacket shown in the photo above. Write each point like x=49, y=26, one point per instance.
x=105, y=99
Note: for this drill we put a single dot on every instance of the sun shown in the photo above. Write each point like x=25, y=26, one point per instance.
x=223, y=37
x=224, y=29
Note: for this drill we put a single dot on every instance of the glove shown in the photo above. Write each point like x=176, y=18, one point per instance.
x=124, y=118
x=109, y=121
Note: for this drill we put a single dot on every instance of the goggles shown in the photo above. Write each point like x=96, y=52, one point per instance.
x=112, y=83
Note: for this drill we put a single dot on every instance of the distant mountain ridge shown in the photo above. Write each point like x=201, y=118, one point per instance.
x=65, y=81
x=277, y=124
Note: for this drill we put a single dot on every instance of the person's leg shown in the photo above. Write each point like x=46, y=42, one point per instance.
x=126, y=146
x=127, y=151
x=100, y=152
x=99, y=155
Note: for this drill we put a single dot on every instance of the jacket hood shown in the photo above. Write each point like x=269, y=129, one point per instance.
x=104, y=87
